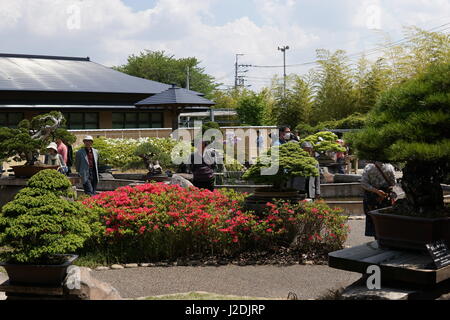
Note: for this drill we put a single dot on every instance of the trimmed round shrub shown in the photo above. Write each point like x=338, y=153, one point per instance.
x=41, y=222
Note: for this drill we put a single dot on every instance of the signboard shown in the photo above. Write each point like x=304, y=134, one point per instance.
x=440, y=254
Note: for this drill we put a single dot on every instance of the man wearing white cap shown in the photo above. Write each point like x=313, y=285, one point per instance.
x=54, y=158
x=86, y=162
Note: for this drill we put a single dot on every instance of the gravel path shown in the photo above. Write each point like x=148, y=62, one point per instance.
x=307, y=282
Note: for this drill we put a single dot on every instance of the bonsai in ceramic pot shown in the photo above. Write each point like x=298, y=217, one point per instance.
x=292, y=162
x=410, y=126
x=25, y=142
x=39, y=227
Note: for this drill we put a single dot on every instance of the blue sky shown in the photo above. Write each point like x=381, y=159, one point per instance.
x=109, y=31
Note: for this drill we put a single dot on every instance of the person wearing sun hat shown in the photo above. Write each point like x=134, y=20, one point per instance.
x=53, y=158
x=86, y=163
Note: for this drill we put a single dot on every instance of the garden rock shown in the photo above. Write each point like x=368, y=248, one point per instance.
x=177, y=179
x=116, y=267
x=131, y=265
x=81, y=285
x=102, y=268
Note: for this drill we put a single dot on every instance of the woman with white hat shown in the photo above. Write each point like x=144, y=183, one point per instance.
x=53, y=158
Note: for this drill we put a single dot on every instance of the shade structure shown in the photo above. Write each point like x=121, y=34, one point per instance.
x=177, y=100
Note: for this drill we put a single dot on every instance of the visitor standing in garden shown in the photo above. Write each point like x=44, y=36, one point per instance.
x=340, y=157
x=311, y=184
x=53, y=158
x=86, y=162
x=62, y=149
x=203, y=162
x=259, y=142
x=377, y=181
x=284, y=136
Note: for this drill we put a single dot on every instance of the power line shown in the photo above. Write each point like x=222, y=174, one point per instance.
x=365, y=52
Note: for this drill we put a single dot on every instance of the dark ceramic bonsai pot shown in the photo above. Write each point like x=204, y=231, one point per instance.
x=38, y=275
x=405, y=232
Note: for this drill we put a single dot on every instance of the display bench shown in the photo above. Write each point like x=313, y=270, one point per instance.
x=404, y=274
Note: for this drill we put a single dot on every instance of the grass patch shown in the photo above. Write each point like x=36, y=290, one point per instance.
x=196, y=295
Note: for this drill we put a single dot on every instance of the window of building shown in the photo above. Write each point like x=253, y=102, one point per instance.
x=81, y=120
x=133, y=120
x=10, y=119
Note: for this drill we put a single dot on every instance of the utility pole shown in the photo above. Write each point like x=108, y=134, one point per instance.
x=283, y=49
x=239, y=80
x=236, y=70
x=187, y=79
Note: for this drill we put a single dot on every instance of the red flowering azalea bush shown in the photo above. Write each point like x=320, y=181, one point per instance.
x=158, y=221
x=307, y=226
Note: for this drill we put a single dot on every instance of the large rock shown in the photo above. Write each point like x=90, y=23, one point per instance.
x=80, y=285
x=178, y=179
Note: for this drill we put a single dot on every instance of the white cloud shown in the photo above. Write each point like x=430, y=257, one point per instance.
x=109, y=31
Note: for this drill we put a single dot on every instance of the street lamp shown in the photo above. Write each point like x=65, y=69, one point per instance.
x=283, y=49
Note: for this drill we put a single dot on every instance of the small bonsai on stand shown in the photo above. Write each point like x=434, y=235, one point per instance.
x=292, y=160
x=154, y=159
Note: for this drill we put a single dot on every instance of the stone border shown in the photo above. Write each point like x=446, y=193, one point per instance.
x=198, y=263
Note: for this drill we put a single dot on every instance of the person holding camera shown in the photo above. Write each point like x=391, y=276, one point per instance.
x=377, y=181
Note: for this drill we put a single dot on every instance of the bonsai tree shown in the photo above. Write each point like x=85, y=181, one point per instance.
x=410, y=125
x=324, y=141
x=25, y=142
x=42, y=222
x=152, y=158
x=293, y=162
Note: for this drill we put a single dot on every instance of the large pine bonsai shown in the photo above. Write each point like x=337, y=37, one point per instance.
x=25, y=142
x=411, y=125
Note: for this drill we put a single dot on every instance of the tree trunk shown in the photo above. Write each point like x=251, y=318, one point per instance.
x=422, y=185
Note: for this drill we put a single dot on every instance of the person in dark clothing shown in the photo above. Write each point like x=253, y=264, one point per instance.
x=203, y=162
x=70, y=161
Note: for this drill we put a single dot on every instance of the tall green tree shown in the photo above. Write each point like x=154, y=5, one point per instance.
x=294, y=106
x=162, y=67
x=414, y=55
x=250, y=108
x=334, y=98
x=370, y=81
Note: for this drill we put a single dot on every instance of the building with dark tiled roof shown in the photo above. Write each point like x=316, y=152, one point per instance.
x=90, y=95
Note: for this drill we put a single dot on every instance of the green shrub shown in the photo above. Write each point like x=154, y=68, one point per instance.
x=121, y=153
x=41, y=222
